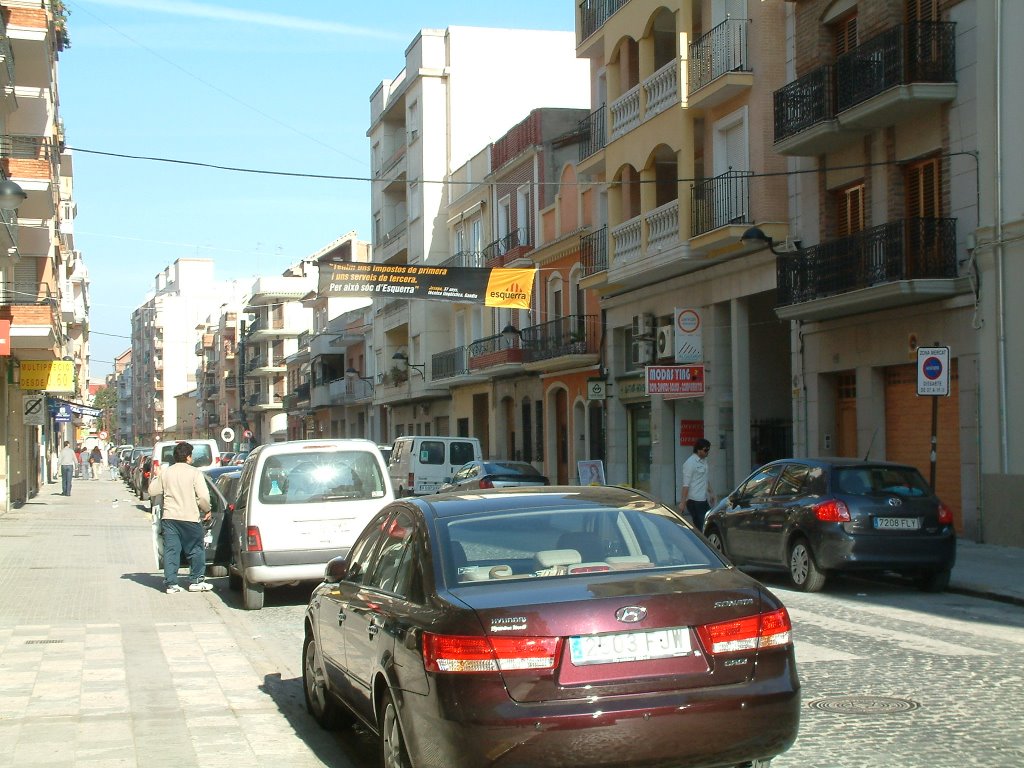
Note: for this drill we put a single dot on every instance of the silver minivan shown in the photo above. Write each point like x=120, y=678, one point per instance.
x=299, y=504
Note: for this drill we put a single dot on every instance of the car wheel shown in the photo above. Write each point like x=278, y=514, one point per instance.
x=252, y=595
x=933, y=581
x=715, y=540
x=216, y=570
x=393, y=753
x=314, y=685
x=803, y=571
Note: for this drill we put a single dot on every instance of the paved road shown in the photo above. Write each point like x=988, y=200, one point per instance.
x=98, y=667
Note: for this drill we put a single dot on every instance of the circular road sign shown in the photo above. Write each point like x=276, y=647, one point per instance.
x=227, y=434
x=932, y=368
x=247, y=434
x=103, y=435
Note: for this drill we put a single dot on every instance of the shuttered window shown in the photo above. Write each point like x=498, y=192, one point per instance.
x=850, y=214
x=923, y=189
x=844, y=34
x=922, y=10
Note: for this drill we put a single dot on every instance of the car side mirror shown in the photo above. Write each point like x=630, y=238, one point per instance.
x=447, y=479
x=336, y=570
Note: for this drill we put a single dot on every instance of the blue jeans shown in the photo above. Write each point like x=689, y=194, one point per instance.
x=67, y=471
x=183, y=536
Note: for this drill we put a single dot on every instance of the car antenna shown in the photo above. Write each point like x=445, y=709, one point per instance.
x=871, y=444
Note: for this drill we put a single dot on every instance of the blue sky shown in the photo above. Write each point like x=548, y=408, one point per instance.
x=270, y=86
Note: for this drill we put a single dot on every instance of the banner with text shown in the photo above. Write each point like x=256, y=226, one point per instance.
x=495, y=287
x=48, y=375
x=675, y=380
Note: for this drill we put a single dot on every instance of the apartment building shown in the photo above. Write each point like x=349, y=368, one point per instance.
x=37, y=259
x=218, y=405
x=278, y=318
x=905, y=205
x=461, y=88
x=517, y=377
x=679, y=150
x=122, y=381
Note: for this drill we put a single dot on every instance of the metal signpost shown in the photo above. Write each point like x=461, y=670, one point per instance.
x=933, y=380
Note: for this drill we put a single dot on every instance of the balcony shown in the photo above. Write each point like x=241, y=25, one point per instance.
x=594, y=13
x=347, y=391
x=902, y=262
x=393, y=245
x=33, y=162
x=565, y=342
x=263, y=328
x=594, y=128
x=594, y=252
x=32, y=310
x=267, y=401
x=625, y=112
x=896, y=75
x=505, y=250
x=719, y=68
x=661, y=90
x=719, y=213
x=465, y=259
x=261, y=365
x=496, y=354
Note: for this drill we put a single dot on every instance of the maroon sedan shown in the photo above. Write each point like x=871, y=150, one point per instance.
x=549, y=627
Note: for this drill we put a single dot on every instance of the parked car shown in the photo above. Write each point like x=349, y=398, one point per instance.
x=205, y=453
x=239, y=458
x=133, y=462
x=550, y=627
x=226, y=457
x=493, y=474
x=299, y=504
x=815, y=516
x=217, y=532
x=227, y=484
x=421, y=464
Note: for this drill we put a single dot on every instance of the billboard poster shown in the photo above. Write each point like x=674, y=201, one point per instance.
x=48, y=375
x=493, y=287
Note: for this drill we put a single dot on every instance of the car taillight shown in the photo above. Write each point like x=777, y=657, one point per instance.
x=766, y=630
x=253, y=542
x=945, y=515
x=485, y=483
x=832, y=511
x=461, y=653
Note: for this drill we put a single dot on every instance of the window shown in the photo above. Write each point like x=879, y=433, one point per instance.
x=850, y=210
x=461, y=453
x=844, y=34
x=396, y=564
x=923, y=186
x=792, y=480
x=359, y=559
x=923, y=10
x=759, y=486
x=432, y=452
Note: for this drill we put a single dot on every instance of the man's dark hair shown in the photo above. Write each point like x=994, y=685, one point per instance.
x=182, y=451
x=701, y=444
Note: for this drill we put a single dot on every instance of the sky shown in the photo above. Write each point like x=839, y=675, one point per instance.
x=246, y=84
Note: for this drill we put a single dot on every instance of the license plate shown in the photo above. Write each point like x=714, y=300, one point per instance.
x=897, y=523
x=630, y=646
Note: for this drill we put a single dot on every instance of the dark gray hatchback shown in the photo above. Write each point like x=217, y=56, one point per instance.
x=812, y=516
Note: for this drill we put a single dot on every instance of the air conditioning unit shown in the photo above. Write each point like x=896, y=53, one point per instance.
x=643, y=352
x=643, y=326
x=665, y=343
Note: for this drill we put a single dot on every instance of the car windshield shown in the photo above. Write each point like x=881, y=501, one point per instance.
x=869, y=481
x=532, y=543
x=305, y=477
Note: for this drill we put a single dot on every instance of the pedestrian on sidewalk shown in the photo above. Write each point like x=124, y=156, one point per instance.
x=68, y=462
x=697, y=496
x=95, y=462
x=80, y=463
x=113, y=460
x=185, y=498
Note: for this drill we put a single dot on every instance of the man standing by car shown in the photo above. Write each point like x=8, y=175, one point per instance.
x=185, y=497
x=697, y=496
x=68, y=462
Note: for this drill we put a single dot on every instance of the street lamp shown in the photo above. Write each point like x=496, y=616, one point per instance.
x=11, y=195
x=401, y=361
x=755, y=235
x=352, y=374
x=510, y=334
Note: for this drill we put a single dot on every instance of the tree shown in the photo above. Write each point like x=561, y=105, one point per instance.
x=106, y=400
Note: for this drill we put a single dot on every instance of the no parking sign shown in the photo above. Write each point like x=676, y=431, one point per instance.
x=933, y=371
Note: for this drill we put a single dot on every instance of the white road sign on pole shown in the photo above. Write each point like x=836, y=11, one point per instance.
x=933, y=371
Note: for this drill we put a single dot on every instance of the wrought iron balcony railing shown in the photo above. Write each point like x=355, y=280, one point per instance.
x=719, y=201
x=722, y=50
x=464, y=259
x=594, y=13
x=23, y=294
x=498, y=250
x=594, y=252
x=594, y=128
x=906, y=249
x=570, y=335
x=494, y=350
x=806, y=101
x=451, y=362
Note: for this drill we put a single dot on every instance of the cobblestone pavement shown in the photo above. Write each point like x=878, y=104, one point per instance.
x=98, y=667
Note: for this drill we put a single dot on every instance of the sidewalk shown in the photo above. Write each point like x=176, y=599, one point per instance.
x=99, y=667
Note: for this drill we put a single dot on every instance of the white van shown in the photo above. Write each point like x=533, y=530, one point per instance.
x=420, y=464
x=300, y=503
x=205, y=453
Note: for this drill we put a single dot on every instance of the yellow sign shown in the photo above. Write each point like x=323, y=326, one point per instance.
x=510, y=288
x=48, y=375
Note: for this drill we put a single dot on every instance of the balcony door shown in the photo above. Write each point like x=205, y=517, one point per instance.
x=923, y=195
x=731, y=163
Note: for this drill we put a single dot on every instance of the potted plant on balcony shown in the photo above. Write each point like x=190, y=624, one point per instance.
x=397, y=376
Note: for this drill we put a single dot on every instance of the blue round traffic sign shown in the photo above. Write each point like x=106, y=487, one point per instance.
x=931, y=368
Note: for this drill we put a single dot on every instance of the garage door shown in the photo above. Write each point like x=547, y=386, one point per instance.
x=908, y=431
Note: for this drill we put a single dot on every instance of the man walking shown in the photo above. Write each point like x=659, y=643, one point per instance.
x=185, y=497
x=68, y=461
x=697, y=496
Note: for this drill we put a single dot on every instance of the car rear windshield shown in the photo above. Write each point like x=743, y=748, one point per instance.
x=202, y=456
x=867, y=481
x=568, y=542
x=510, y=468
x=306, y=477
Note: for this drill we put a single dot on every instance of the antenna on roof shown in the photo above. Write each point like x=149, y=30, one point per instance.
x=871, y=444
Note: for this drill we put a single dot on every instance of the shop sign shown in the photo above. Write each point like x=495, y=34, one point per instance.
x=48, y=375
x=675, y=380
x=690, y=431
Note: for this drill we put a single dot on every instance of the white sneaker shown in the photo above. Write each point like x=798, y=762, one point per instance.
x=174, y=588
x=200, y=586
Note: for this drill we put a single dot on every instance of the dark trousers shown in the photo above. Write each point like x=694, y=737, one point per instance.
x=181, y=536
x=66, y=473
x=698, y=511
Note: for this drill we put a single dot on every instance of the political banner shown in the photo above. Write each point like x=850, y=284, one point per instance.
x=494, y=287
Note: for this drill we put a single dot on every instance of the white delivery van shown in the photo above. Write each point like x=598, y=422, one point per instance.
x=205, y=453
x=420, y=464
x=299, y=504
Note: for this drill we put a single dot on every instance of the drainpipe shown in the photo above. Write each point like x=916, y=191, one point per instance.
x=1000, y=266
